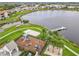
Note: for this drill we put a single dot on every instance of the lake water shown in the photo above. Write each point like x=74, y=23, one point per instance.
x=55, y=19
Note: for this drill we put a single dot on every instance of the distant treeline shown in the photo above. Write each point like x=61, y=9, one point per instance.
x=7, y=6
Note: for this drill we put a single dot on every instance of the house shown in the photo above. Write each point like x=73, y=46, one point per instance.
x=37, y=5
x=71, y=7
x=10, y=49
x=17, y=9
x=11, y=10
x=31, y=44
x=4, y=14
x=43, y=6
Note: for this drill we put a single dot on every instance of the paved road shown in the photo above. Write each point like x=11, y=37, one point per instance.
x=10, y=25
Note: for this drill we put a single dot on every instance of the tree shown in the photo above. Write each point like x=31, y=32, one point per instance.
x=25, y=21
x=43, y=36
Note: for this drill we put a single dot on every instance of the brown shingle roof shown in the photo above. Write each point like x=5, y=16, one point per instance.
x=33, y=44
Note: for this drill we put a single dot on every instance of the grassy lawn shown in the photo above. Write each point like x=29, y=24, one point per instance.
x=14, y=36
x=15, y=28
x=70, y=44
x=7, y=31
x=67, y=53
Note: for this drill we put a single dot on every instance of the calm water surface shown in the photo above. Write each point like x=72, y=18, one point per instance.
x=57, y=18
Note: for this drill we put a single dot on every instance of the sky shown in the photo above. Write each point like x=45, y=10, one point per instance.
x=39, y=0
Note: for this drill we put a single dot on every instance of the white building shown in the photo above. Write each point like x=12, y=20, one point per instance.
x=58, y=6
x=37, y=5
x=6, y=14
x=10, y=49
x=71, y=6
x=3, y=14
x=43, y=6
x=17, y=9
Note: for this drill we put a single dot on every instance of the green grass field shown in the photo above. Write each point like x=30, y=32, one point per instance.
x=17, y=32
x=67, y=53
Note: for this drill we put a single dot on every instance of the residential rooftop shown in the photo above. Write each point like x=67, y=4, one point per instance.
x=32, y=44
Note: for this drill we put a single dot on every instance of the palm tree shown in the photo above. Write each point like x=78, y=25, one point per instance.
x=43, y=33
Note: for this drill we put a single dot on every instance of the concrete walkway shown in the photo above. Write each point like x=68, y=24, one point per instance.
x=71, y=50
